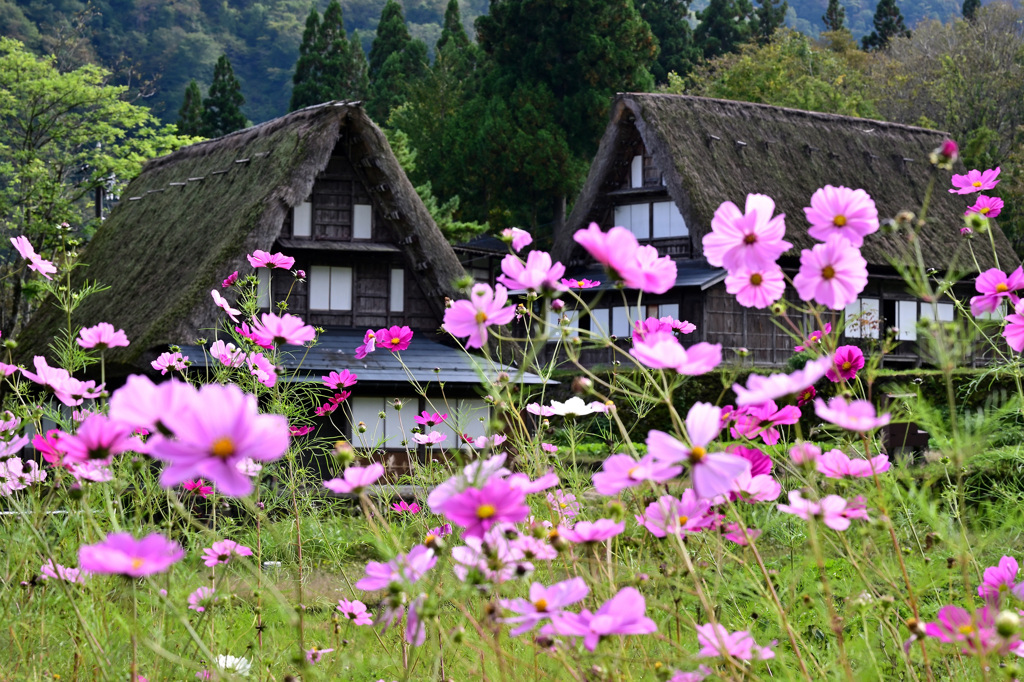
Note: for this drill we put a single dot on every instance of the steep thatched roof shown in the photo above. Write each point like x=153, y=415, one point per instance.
x=189, y=219
x=712, y=151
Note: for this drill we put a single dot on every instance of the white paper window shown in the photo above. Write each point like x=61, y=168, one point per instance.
x=662, y=220
x=622, y=217
x=330, y=288
x=998, y=314
x=555, y=322
x=397, y=290
x=620, y=322
x=636, y=172
x=679, y=228
x=669, y=310
x=863, y=319
x=947, y=312
x=640, y=220
x=263, y=287
x=367, y=410
x=362, y=221
x=302, y=220
x=906, y=320
x=389, y=432
x=599, y=322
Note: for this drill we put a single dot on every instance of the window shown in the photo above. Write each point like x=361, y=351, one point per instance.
x=330, y=288
x=668, y=221
x=619, y=321
x=397, y=290
x=387, y=432
x=302, y=220
x=599, y=322
x=947, y=312
x=636, y=172
x=469, y=417
x=263, y=287
x=636, y=218
x=906, y=320
x=362, y=221
x=863, y=319
x=555, y=323
x=669, y=310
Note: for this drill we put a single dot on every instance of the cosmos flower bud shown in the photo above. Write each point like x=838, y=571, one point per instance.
x=945, y=155
x=1007, y=624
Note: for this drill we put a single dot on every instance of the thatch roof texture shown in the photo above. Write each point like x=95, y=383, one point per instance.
x=718, y=150
x=189, y=219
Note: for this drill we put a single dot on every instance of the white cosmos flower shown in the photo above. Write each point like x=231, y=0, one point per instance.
x=237, y=665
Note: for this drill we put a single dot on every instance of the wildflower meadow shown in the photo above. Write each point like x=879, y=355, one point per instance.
x=674, y=517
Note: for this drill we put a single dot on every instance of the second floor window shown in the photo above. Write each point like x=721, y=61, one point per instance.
x=330, y=288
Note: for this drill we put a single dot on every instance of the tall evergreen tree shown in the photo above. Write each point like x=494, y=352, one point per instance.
x=452, y=31
x=889, y=24
x=396, y=61
x=970, y=8
x=834, y=17
x=769, y=16
x=307, y=83
x=724, y=26
x=190, y=116
x=222, y=109
x=337, y=54
x=359, y=78
x=669, y=24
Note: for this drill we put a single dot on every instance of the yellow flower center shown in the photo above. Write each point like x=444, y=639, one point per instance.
x=965, y=629
x=1002, y=288
x=223, y=447
x=562, y=505
x=430, y=538
x=750, y=239
x=839, y=220
x=137, y=562
x=683, y=520
x=846, y=365
x=828, y=272
x=395, y=341
x=541, y=604
x=985, y=210
x=630, y=472
x=486, y=511
x=697, y=454
x=481, y=317
x=976, y=183
x=756, y=279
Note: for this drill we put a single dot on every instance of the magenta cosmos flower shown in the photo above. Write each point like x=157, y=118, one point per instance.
x=975, y=181
x=976, y=631
x=215, y=430
x=369, y=344
x=408, y=568
x=761, y=389
x=430, y=419
x=662, y=350
x=201, y=598
x=221, y=552
x=544, y=603
x=994, y=285
x=831, y=274
x=519, y=239
x=98, y=438
x=593, y=531
x=355, y=479
x=858, y=415
x=355, y=611
x=846, y=212
x=342, y=379
x=623, y=614
x=999, y=579
x=670, y=516
x=102, y=336
x=223, y=304
x=53, y=571
x=1013, y=332
x=394, y=338
x=538, y=274
x=262, y=259
x=715, y=640
x=471, y=318
x=846, y=362
x=990, y=207
x=837, y=464
x=35, y=261
x=122, y=554
x=65, y=387
x=198, y=487
x=477, y=509
x=830, y=510
x=756, y=288
x=287, y=329
x=712, y=473
x=429, y=438
x=622, y=471
x=580, y=283
x=751, y=240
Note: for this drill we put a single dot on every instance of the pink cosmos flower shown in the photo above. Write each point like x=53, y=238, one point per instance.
x=201, y=598
x=836, y=464
x=198, y=487
x=750, y=240
x=662, y=350
x=15, y=476
x=647, y=271
x=314, y=655
x=994, y=285
x=858, y=415
x=250, y=467
x=538, y=274
x=216, y=429
x=369, y=343
x=999, y=579
x=759, y=488
x=580, y=283
x=831, y=274
x=564, y=504
x=815, y=337
x=262, y=368
x=98, y=438
x=716, y=641
x=990, y=207
x=494, y=557
x=652, y=325
x=847, y=361
x=540, y=410
x=472, y=318
x=829, y=510
x=122, y=554
x=102, y=336
x=734, y=533
x=671, y=516
x=622, y=471
x=407, y=568
x=544, y=603
x=712, y=473
x=761, y=389
x=475, y=473
x=222, y=551
x=976, y=631
x=806, y=396
x=519, y=239
x=394, y=338
x=336, y=380
x=804, y=453
x=66, y=388
x=477, y=509
x=296, y=431
x=484, y=442
x=272, y=330
x=760, y=463
x=549, y=448
x=430, y=419
x=227, y=353
x=429, y=438
x=91, y=471
x=230, y=280
x=623, y=614
x=355, y=611
x=849, y=213
x=1013, y=332
x=35, y=261
x=523, y=482
x=615, y=249
x=757, y=288
x=762, y=420
x=223, y=304
x=404, y=507
x=355, y=479
x=170, y=361
x=262, y=259
x=975, y=181
x=593, y=531
x=50, y=570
